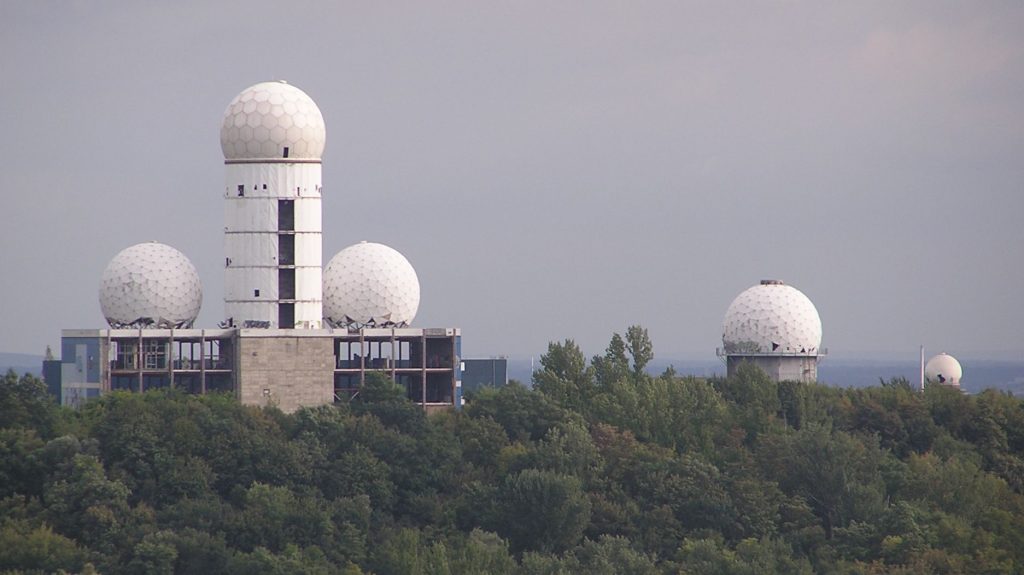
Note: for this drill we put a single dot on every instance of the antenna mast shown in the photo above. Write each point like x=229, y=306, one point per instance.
x=922, y=368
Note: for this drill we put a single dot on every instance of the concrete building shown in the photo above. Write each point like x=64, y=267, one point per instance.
x=273, y=348
x=288, y=369
x=775, y=327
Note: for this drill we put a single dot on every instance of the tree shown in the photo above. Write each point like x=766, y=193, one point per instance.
x=275, y=518
x=541, y=510
x=360, y=472
x=640, y=348
x=614, y=366
x=750, y=557
x=197, y=551
x=27, y=548
x=565, y=376
x=155, y=554
x=381, y=397
x=838, y=474
x=481, y=439
x=292, y=561
x=755, y=396
x=611, y=556
x=403, y=552
x=524, y=414
x=481, y=552
x=26, y=403
x=20, y=464
x=684, y=413
x=566, y=449
x=88, y=507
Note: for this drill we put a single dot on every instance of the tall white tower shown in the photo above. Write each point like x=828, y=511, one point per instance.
x=273, y=139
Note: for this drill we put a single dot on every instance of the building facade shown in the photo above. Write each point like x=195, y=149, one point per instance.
x=484, y=372
x=778, y=366
x=287, y=369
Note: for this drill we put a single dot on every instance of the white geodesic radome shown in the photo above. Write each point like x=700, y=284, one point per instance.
x=272, y=120
x=772, y=317
x=370, y=285
x=943, y=369
x=150, y=285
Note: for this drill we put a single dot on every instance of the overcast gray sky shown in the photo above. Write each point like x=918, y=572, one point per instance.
x=550, y=169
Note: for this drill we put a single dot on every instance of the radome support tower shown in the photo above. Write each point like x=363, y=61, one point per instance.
x=273, y=138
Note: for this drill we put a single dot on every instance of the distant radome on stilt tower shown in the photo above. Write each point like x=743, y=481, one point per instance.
x=943, y=369
x=775, y=327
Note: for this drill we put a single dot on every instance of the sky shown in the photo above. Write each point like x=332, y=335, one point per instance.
x=552, y=170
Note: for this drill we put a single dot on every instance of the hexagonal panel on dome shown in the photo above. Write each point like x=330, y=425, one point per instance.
x=370, y=285
x=272, y=119
x=150, y=285
x=771, y=318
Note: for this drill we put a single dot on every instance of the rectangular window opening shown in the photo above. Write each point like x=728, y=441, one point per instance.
x=286, y=283
x=286, y=215
x=286, y=315
x=286, y=151
x=241, y=190
x=285, y=250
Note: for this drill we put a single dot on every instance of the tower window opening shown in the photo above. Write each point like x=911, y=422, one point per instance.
x=256, y=293
x=286, y=249
x=286, y=215
x=286, y=316
x=241, y=190
x=286, y=283
x=264, y=186
x=286, y=151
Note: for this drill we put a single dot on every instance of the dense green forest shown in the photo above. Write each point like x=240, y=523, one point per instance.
x=599, y=468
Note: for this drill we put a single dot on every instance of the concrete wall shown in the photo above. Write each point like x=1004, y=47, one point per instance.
x=287, y=372
x=779, y=368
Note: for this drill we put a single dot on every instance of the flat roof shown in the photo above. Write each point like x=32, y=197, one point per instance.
x=191, y=333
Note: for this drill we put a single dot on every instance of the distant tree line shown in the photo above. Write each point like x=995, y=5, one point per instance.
x=599, y=468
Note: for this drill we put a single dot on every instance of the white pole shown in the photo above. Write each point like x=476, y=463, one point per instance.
x=922, y=368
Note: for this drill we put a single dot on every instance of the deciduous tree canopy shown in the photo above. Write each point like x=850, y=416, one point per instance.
x=598, y=468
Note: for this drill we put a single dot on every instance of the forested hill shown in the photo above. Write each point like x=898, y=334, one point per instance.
x=598, y=469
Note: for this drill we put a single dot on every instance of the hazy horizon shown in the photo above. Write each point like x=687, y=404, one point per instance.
x=551, y=172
